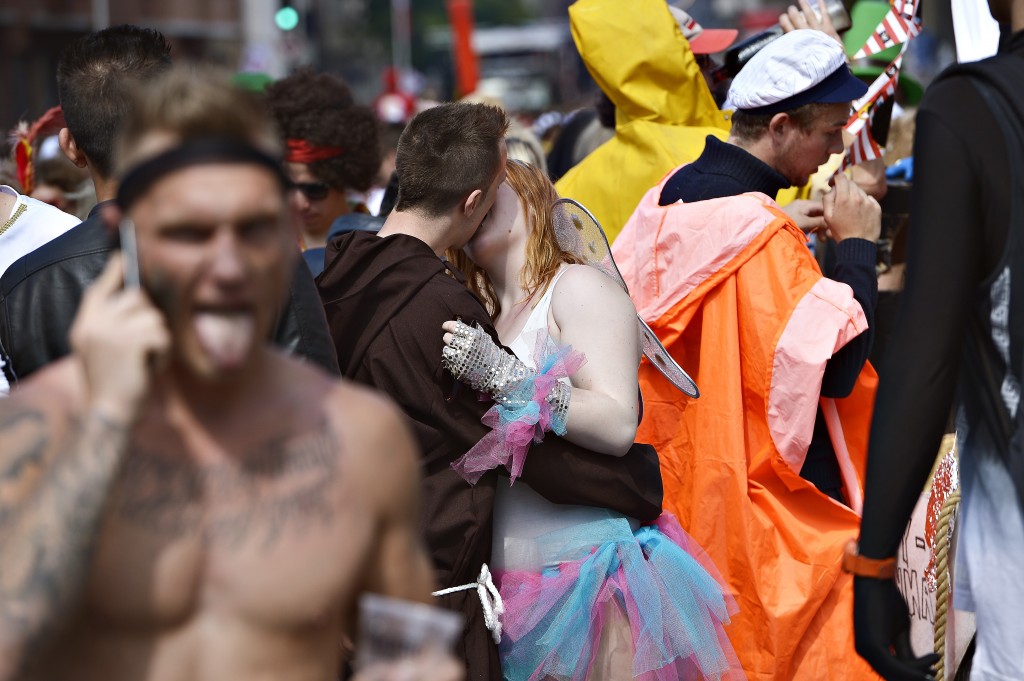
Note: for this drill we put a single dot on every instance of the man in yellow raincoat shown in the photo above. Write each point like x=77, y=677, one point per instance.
x=664, y=111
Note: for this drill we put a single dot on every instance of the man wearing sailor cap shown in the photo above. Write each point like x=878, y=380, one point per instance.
x=766, y=469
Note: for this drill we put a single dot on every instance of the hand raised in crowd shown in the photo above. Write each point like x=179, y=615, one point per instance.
x=850, y=213
x=881, y=625
x=809, y=215
x=119, y=336
x=804, y=16
x=870, y=176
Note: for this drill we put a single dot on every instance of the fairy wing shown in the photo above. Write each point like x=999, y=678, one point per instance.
x=577, y=231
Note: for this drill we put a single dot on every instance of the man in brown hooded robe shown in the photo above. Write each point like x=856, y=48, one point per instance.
x=386, y=296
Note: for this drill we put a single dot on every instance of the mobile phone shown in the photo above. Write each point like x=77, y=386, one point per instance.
x=130, y=254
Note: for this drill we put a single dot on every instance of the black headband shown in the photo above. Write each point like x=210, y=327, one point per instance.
x=192, y=152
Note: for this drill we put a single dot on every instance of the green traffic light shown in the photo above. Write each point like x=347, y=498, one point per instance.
x=286, y=18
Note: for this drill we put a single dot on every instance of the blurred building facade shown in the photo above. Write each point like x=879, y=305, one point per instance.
x=33, y=34
x=353, y=39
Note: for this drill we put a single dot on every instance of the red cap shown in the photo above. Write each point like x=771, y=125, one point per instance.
x=702, y=40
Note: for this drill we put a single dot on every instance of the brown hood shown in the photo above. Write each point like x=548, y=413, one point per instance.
x=366, y=281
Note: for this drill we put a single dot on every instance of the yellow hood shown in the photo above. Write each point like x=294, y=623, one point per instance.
x=664, y=110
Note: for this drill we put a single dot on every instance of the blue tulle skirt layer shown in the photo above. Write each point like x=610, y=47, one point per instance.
x=655, y=586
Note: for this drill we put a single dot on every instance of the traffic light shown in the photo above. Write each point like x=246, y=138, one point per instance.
x=287, y=17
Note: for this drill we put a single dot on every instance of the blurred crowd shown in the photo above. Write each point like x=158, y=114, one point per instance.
x=651, y=388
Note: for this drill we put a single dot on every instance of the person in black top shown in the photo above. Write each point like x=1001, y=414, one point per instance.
x=40, y=292
x=959, y=331
x=779, y=138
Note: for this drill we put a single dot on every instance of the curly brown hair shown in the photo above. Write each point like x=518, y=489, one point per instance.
x=319, y=108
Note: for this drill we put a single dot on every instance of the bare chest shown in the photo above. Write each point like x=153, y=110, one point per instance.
x=274, y=538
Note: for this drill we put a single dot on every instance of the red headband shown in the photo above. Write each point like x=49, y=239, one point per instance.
x=301, y=151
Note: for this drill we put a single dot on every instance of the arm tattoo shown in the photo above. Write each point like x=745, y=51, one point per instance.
x=48, y=532
x=27, y=428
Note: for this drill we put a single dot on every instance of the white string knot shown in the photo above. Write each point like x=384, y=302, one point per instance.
x=490, y=600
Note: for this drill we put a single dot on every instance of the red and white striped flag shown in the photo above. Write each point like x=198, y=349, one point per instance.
x=899, y=25
x=864, y=148
x=907, y=8
x=882, y=87
x=894, y=29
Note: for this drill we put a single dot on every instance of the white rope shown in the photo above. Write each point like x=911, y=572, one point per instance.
x=490, y=600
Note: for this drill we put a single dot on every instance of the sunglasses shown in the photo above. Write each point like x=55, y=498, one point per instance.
x=314, y=191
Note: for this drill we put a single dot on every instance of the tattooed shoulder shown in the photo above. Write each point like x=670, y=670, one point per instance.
x=49, y=518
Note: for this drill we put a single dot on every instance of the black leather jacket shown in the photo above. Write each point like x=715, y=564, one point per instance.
x=40, y=292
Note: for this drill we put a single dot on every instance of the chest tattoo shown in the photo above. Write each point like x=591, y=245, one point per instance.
x=284, y=484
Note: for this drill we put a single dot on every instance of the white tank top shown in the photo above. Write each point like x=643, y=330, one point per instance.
x=520, y=514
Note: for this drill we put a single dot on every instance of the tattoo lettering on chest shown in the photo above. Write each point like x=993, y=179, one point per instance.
x=285, y=485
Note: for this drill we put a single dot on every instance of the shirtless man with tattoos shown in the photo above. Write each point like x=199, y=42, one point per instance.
x=178, y=500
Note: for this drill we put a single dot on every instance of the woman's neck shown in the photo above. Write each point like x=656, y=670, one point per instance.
x=508, y=287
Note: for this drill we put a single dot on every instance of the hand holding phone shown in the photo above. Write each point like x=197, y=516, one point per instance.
x=118, y=336
x=129, y=254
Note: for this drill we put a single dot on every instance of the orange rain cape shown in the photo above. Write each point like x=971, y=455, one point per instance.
x=732, y=290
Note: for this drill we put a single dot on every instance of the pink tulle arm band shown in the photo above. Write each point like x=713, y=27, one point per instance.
x=534, y=406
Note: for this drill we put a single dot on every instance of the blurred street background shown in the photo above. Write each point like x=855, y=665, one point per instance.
x=518, y=51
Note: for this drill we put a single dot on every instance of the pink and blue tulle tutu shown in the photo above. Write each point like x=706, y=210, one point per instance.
x=657, y=577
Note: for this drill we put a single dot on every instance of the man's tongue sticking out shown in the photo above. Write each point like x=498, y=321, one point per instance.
x=227, y=336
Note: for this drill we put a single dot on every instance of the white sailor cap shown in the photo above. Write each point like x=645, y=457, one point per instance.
x=797, y=68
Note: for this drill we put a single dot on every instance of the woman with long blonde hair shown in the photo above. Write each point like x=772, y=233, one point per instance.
x=589, y=593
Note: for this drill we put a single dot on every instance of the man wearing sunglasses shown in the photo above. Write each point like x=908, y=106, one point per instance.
x=332, y=153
